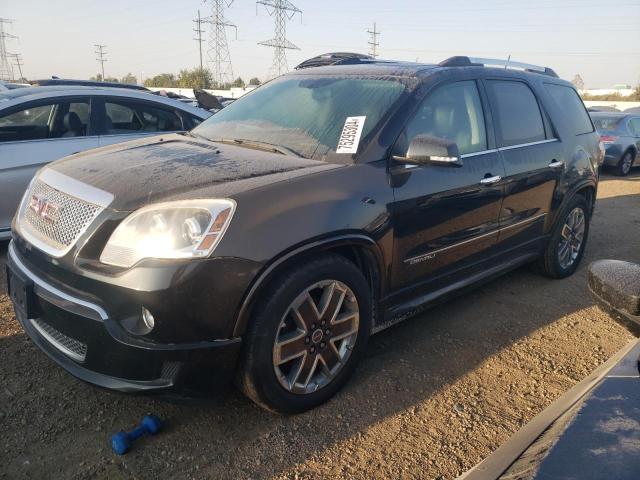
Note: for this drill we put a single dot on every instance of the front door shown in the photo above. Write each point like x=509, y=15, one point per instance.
x=446, y=217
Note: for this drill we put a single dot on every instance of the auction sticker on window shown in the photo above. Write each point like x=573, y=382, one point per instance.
x=350, y=136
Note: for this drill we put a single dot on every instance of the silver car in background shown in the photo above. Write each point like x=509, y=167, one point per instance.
x=620, y=135
x=41, y=124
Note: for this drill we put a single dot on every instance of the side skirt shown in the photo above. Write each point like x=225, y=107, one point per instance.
x=400, y=312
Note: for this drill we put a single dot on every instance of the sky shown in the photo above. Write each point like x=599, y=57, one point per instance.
x=600, y=40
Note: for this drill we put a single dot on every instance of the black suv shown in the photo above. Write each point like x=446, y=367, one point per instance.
x=267, y=244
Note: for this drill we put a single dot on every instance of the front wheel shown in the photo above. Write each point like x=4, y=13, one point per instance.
x=306, y=335
x=568, y=240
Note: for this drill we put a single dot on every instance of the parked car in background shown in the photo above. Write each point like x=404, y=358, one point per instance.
x=41, y=124
x=272, y=240
x=602, y=108
x=620, y=135
x=635, y=110
x=68, y=82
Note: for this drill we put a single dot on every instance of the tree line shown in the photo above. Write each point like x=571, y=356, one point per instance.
x=186, y=78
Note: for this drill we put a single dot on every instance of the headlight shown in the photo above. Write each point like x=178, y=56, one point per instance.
x=181, y=229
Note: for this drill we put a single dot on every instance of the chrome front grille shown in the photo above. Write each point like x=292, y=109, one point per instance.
x=57, y=209
x=67, y=345
x=72, y=217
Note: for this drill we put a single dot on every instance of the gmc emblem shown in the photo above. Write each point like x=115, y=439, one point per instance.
x=42, y=207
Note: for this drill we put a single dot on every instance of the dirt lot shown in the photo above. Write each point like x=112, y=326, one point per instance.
x=434, y=396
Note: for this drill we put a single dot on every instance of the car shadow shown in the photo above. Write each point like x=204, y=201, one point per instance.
x=229, y=437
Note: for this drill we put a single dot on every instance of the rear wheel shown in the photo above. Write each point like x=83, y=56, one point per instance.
x=307, y=335
x=568, y=240
x=624, y=165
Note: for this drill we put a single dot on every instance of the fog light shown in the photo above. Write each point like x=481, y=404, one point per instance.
x=148, y=320
x=139, y=324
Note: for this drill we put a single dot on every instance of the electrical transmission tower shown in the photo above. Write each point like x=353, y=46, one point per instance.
x=218, y=53
x=101, y=54
x=281, y=10
x=6, y=69
x=198, y=30
x=19, y=63
x=373, y=42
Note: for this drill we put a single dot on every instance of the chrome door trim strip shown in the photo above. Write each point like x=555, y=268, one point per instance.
x=432, y=253
x=530, y=144
x=483, y=152
x=50, y=288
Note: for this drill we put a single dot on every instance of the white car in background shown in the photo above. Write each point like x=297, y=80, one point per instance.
x=41, y=124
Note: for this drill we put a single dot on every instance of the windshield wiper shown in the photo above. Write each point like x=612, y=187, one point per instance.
x=267, y=147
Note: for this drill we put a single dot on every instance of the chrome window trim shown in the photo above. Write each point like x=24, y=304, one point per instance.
x=481, y=152
x=431, y=253
x=530, y=144
x=50, y=288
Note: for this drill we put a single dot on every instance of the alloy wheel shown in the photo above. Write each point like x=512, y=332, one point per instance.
x=316, y=336
x=572, y=236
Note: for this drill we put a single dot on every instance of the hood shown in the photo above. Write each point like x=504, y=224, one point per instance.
x=173, y=166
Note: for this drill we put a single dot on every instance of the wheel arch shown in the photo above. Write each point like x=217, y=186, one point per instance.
x=360, y=249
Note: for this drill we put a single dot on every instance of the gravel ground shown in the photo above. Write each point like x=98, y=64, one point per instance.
x=434, y=396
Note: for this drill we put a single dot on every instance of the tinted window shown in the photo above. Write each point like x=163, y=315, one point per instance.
x=54, y=120
x=517, y=113
x=132, y=117
x=453, y=112
x=569, y=102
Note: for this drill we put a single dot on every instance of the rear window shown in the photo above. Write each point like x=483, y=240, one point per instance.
x=518, y=114
x=607, y=123
x=569, y=102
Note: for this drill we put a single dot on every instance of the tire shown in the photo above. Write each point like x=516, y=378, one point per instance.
x=623, y=168
x=554, y=263
x=289, y=363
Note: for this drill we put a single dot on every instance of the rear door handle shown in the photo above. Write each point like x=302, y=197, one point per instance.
x=491, y=180
x=556, y=164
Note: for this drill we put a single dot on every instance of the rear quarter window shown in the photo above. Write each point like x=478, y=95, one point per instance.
x=567, y=99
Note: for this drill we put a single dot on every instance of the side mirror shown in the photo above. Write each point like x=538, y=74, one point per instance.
x=425, y=149
x=615, y=285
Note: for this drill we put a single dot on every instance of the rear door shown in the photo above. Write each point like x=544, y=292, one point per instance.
x=34, y=134
x=126, y=119
x=533, y=161
x=446, y=217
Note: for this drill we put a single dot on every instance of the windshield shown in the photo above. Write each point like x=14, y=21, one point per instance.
x=304, y=115
x=605, y=123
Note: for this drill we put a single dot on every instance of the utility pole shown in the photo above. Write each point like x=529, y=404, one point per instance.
x=19, y=63
x=281, y=10
x=6, y=70
x=373, y=42
x=198, y=38
x=218, y=53
x=101, y=54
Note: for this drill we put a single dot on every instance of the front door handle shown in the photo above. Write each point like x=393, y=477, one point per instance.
x=491, y=180
x=556, y=164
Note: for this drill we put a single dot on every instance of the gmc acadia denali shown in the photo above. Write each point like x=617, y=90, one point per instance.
x=268, y=243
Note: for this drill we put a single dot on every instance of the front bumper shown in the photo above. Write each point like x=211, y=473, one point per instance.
x=80, y=335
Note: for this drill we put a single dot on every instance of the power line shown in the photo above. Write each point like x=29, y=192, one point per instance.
x=373, y=42
x=218, y=53
x=281, y=10
x=198, y=38
x=101, y=54
x=6, y=69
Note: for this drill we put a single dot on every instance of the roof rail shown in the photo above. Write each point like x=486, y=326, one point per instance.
x=335, y=58
x=461, y=61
